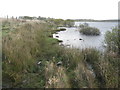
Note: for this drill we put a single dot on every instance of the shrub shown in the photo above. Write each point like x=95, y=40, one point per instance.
x=112, y=39
x=87, y=30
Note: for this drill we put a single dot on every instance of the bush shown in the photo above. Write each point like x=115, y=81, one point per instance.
x=87, y=30
x=61, y=22
x=112, y=39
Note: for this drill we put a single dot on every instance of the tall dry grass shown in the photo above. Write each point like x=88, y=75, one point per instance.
x=30, y=44
x=20, y=49
x=56, y=76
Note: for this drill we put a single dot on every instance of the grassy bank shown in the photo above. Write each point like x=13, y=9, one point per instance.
x=33, y=59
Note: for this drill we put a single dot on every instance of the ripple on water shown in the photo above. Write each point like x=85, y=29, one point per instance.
x=71, y=37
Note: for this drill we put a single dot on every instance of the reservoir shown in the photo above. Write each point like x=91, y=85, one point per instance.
x=72, y=37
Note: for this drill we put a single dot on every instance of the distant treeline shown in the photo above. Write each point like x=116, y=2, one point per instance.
x=58, y=22
x=75, y=20
x=92, y=20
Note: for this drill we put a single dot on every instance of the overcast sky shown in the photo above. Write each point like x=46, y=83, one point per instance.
x=65, y=9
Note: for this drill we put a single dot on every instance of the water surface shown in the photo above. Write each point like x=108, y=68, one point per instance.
x=71, y=36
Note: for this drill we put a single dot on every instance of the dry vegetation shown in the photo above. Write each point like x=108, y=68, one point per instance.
x=30, y=60
x=56, y=76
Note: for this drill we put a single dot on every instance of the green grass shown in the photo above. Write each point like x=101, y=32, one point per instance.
x=5, y=32
x=31, y=43
x=112, y=39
